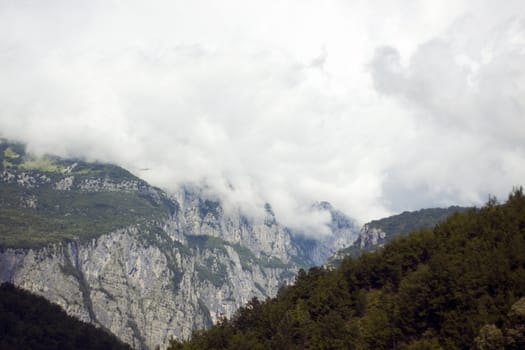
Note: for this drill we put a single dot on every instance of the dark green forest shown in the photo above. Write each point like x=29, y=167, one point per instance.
x=457, y=286
x=28, y=321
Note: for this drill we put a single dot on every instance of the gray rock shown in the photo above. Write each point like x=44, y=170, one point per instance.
x=163, y=278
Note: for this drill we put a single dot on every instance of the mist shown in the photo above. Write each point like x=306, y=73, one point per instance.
x=376, y=107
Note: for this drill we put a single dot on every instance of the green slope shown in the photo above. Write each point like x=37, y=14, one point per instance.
x=395, y=226
x=457, y=286
x=34, y=211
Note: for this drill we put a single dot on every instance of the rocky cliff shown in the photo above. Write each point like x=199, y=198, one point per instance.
x=343, y=231
x=147, y=266
x=145, y=291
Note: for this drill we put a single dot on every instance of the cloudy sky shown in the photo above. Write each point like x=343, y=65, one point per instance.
x=375, y=106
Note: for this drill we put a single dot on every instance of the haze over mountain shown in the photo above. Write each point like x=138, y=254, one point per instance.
x=376, y=107
x=114, y=251
x=146, y=265
x=162, y=163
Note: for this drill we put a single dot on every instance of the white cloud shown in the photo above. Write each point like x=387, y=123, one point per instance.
x=375, y=106
x=466, y=92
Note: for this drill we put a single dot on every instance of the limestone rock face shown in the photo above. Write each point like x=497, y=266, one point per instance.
x=146, y=265
x=343, y=231
x=370, y=236
x=141, y=285
x=148, y=284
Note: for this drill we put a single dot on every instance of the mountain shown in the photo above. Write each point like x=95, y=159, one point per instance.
x=28, y=321
x=376, y=233
x=49, y=200
x=146, y=265
x=343, y=232
x=459, y=285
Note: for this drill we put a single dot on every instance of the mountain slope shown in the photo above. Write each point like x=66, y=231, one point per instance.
x=457, y=286
x=28, y=321
x=48, y=199
x=376, y=233
x=343, y=232
x=114, y=251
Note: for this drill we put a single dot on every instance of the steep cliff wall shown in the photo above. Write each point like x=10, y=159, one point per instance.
x=147, y=266
x=140, y=284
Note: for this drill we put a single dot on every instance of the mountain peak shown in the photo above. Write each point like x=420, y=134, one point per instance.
x=323, y=205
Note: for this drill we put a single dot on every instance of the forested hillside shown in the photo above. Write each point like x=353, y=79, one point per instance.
x=457, y=286
x=28, y=321
x=377, y=233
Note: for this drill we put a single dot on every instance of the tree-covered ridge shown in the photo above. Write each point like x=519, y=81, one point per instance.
x=409, y=221
x=387, y=229
x=28, y=321
x=48, y=199
x=457, y=286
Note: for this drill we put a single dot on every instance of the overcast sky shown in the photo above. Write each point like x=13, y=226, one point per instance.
x=375, y=106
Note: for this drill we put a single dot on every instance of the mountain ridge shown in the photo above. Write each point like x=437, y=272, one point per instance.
x=376, y=233
x=128, y=257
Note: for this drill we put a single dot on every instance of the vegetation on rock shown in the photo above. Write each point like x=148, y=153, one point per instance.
x=395, y=226
x=47, y=199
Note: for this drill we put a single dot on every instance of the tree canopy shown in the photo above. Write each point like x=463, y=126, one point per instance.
x=28, y=321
